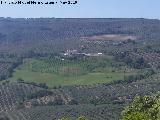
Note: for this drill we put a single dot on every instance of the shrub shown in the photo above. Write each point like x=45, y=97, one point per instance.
x=143, y=108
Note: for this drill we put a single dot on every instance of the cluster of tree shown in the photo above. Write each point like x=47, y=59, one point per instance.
x=11, y=66
x=79, y=118
x=136, y=62
x=38, y=94
x=38, y=54
x=4, y=118
x=133, y=78
x=20, y=104
x=42, y=85
x=146, y=74
x=143, y=108
x=57, y=101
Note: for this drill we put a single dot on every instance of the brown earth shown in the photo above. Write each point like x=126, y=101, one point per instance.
x=111, y=37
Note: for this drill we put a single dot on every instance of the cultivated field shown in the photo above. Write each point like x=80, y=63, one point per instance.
x=117, y=37
x=55, y=72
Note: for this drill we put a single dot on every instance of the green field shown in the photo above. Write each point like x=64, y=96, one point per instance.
x=56, y=72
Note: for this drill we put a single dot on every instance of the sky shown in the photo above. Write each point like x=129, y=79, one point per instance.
x=85, y=9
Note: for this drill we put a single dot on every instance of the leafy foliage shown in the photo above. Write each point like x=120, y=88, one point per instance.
x=143, y=108
x=82, y=118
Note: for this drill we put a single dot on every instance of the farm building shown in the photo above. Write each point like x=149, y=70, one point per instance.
x=75, y=53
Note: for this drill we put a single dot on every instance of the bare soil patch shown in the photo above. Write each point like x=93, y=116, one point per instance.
x=111, y=37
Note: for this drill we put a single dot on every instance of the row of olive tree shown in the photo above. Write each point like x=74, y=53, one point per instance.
x=79, y=118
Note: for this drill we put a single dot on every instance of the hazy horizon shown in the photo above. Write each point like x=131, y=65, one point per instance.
x=74, y=18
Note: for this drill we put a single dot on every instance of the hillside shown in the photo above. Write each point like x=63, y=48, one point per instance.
x=51, y=68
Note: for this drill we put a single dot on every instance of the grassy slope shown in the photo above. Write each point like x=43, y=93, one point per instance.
x=55, y=72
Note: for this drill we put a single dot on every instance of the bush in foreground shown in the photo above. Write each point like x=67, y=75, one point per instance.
x=143, y=108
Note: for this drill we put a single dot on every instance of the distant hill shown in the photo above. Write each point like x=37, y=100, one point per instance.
x=30, y=33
